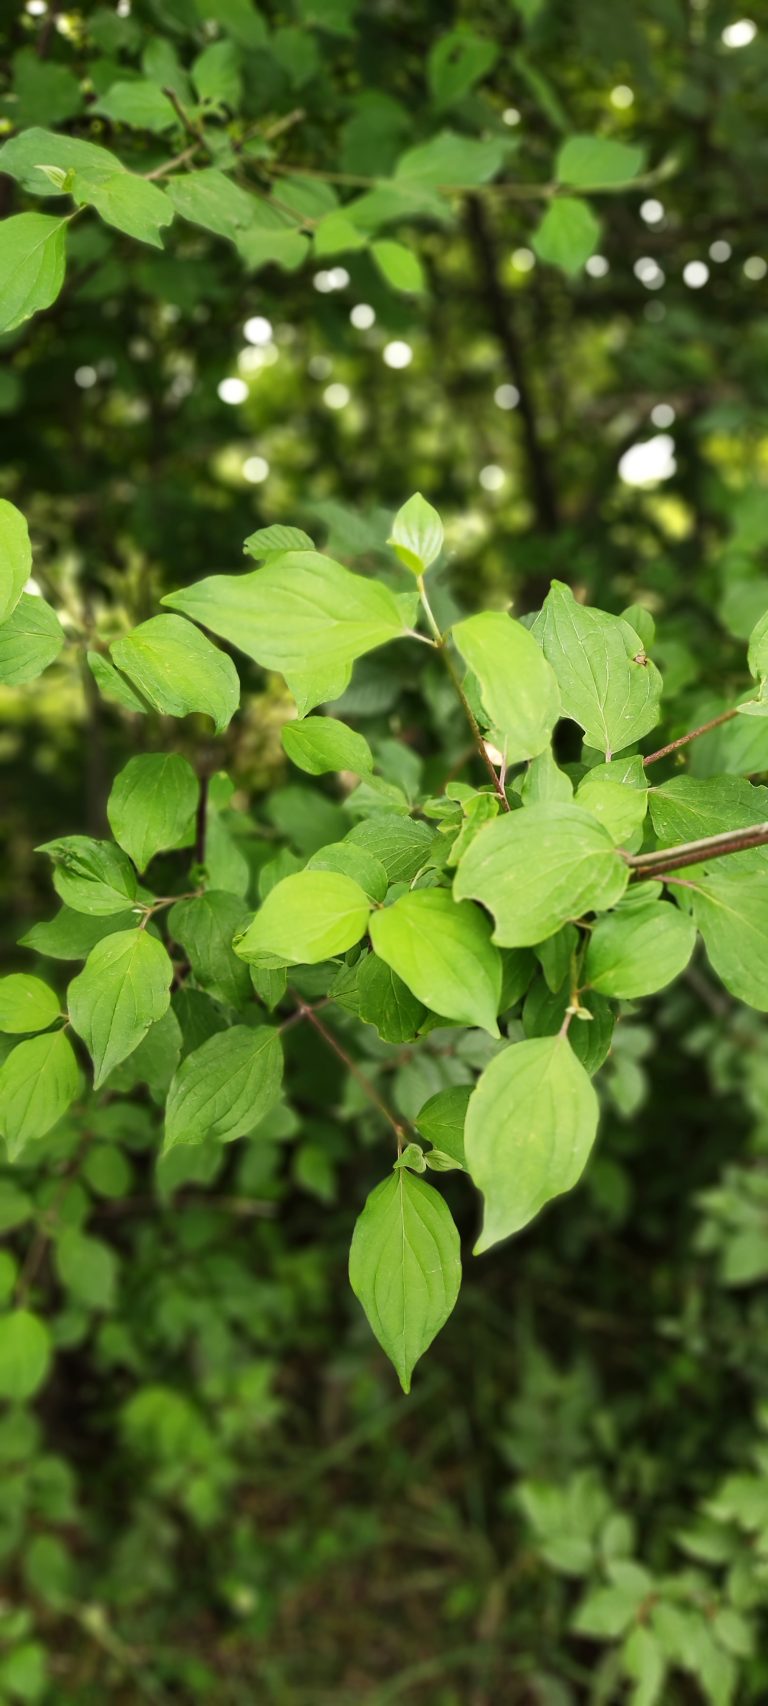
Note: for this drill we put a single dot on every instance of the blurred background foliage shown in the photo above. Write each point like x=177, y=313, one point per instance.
x=219, y=1497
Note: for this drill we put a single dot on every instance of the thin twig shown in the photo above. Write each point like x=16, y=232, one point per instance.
x=477, y=734
x=696, y=852
x=693, y=734
x=182, y=159
x=398, y=1126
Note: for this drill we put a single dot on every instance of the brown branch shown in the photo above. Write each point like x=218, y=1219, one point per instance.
x=693, y=734
x=201, y=820
x=399, y=1127
x=696, y=852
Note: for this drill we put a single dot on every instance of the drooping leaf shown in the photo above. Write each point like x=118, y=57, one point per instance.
x=307, y=918
x=25, y=1354
x=530, y=1126
x=567, y=235
x=320, y=744
x=30, y=638
x=399, y=266
x=225, y=1087
x=636, y=950
x=538, y=868
x=39, y=1080
x=405, y=1267
x=300, y=611
x=178, y=670
x=730, y=909
x=32, y=262
x=152, y=803
x=204, y=927
x=26, y=1004
x=597, y=162
x=442, y=950
x=607, y=684
x=124, y=987
x=518, y=687
x=15, y=557
x=417, y=534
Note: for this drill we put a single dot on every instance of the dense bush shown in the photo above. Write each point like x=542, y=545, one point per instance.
x=369, y=891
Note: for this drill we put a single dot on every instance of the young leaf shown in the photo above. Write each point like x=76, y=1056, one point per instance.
x=417, y=534
x=273, y=541
x=731, y=911
x=225, y=1087
x=38, y=1081
x=30, y=638
x=405, y=1268
x=355, y=862
x=442, y=1120
x=307, y=918
x=204, y=927
x=152, y=804
x=637, y=950
x=124, y=988
x=25, y=156
x=128, y=202
x=320, y=744
x=597, y=162
x=567, y=235
x=607, y=683
x=26, y=1004
x=32, y=262
x=91, y=876
x=25, y=1354
x=399, y=266
x=518, y=688
x=301, y=611
x=442, y=950
x=538, y=868
x=530, y=1126
x=178, y=670
x=617, y=795
x=15, y=557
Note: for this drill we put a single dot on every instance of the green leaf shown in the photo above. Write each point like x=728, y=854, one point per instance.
x=42, y=89
x=204, y=928
x=538, y=868
x=605, y=1613
x=239, y=18
x=399, y=266
x=530, y=1126
x=544, y=782
x=617, y=795
x=320, y=744
x=91, y=876
x=225, y=1087
x=401, y=844
x=129, y=203
x=307, y=918
x=456, y=63
x=442, y=1119
x=355, y=862
x=567, y=235
x=318, y=686
x=24, y=156
x=757, y=654
x=112, y=685
x=405, y=1268
x=152, y=804
x=87, y=1268
x=450, y=161
x=216, y=75
x=417, y=534
x=30, y=638
x=178, y=670
x=38, y=1081
x=336, y=235
x=273, y=541
x=26, y=1003
x=15, y=557
x=261, y=246
x=25, y=1354
x=731, y=911
x=597, y=162
x=210, y=199
x=637, y=950
x=385, y=1001
x=687, y=809
x=607, y=684
x=71, y=935
x=32, y=263
x=301, y=611
x=124, y=988
x=139, y=104
x=443, y=951
x=518, y=688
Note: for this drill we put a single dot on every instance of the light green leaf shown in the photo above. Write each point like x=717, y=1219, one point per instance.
x=687, y=809
x=530, y=1126
x=538, y=868
x=518, y=687
x=38, y=1081
x=300, y=612
x=456, y=63
x=450, y=161
x=124, y=987
x=178, y=670
x=320, y=744
x=399, y=266
x=26, y=1003
x=417, y=534
x=151, y=805
x=607, y=684
x=567, y=235
x=87, y=1268
x=307, y=918
x=544, y=783
x=637, y=950
x=210, y=199
x=239, y=18
x=443, y=951
x=140, y=104
x=204, y=927
x=405, y=1268
x=225, y=1087
x=617, y=795
x=32, y=262
x=597, y=162
x=216, y=75
x=442, y=1119
x=91, y=876
x=401, y=844
x=319, y=686
x=30, y=638
x=15, y=557
x=757, y=654
x=23, y=157
x=273, y=541
x=129, y=203
x=25, y=1354
x=71, y=935
x=336, y=235
x=731, y=911
x=355, y=862
x=112, y=685
x=260, y=246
